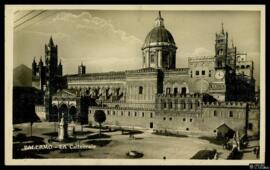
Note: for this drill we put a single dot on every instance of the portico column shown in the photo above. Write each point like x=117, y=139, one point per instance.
x=159, y=58
x=148, y=59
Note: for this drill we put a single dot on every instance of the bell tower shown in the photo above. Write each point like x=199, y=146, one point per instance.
x=221, y=47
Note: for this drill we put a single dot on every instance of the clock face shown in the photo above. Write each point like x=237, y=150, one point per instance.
x=219, y=74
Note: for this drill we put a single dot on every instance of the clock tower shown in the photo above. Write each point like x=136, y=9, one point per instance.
x=218, y=86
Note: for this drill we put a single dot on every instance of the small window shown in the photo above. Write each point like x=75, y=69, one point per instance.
x=191, y=105
x=191, y=74
x=168, y=90
x=114, y=113
x=197, y=73
x=140, y=90
x=170, y=105
x=242, y=66
x=122, y=114
x=231, y=114
x=152, y=58
x=128, y=113
x=142, y=114
x=210, y=73
x=170, y=118
x=135, y=114
x=143, y=59
x=215, y=131
x=151, y=115
x=215, y=113
x=198, y=104
x=90, y=111
x=184, y=119
x=184, y=105
x=164, y=105
x=190, y=120
x=250, y=126
x=164, y=118
x=175, y=91
x=187, y=129
x=108, y=112
x=203, y=72
x=247, y=66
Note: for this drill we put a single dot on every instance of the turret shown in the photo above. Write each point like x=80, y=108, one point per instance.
x=81, y=69
x=34, y=67
x=60, y=69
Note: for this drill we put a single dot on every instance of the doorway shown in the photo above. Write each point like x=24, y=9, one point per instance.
x=151, y=125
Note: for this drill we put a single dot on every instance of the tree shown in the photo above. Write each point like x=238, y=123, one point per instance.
x=100, y=117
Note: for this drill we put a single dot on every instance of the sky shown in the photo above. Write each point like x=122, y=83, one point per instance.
x=111, y=40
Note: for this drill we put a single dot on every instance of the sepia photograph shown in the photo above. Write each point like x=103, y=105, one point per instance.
x=134, y=84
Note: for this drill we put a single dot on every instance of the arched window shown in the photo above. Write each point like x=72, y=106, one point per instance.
x=152, y=58
x=231, y=114
x=140, y=90
x=215, y=113
x=168, y=90
x=135, y=114
x=170, y=105
x=142, y=114
x=164, y=105
x=248, y=66
x=175, y=90
x=242, y=66
x=220, y=52
x=184, y=91
x=184, y=105
x=151, y=115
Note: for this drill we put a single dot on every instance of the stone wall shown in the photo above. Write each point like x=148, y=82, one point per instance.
x=125, y=117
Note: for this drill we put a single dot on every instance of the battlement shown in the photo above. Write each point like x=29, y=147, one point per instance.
x=225, y=104
x=143, y=70
x=179, y=96
x=177, y=70
x=201, y=58
x=91, y=76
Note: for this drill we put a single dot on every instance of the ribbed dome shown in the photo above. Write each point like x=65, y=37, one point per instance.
x=159, y=36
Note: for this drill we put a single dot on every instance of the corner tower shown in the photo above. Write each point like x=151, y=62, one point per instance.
x=159, y=49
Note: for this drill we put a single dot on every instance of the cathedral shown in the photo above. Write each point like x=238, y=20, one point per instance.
x=212, y=94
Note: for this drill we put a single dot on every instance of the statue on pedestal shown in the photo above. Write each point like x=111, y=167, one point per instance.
x=62, y=129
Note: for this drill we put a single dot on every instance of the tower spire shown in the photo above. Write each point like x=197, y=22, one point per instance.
x=51, y=41
x=222, y=29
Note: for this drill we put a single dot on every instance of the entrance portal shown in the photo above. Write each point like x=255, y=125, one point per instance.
x=151, y=125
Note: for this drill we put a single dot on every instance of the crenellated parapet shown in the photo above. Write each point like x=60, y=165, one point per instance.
x=183, y=96
x=121, y=75
x=182, y=71
x=201, y=59
x=225, y=104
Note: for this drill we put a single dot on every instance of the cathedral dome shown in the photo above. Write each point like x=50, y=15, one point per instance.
x=159, y=36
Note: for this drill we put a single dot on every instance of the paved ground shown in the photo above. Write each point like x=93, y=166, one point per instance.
x=116, y=145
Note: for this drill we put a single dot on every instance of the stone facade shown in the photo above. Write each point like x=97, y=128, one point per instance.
x=193, y=100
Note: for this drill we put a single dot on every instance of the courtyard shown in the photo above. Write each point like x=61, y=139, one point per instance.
x=114, y=144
